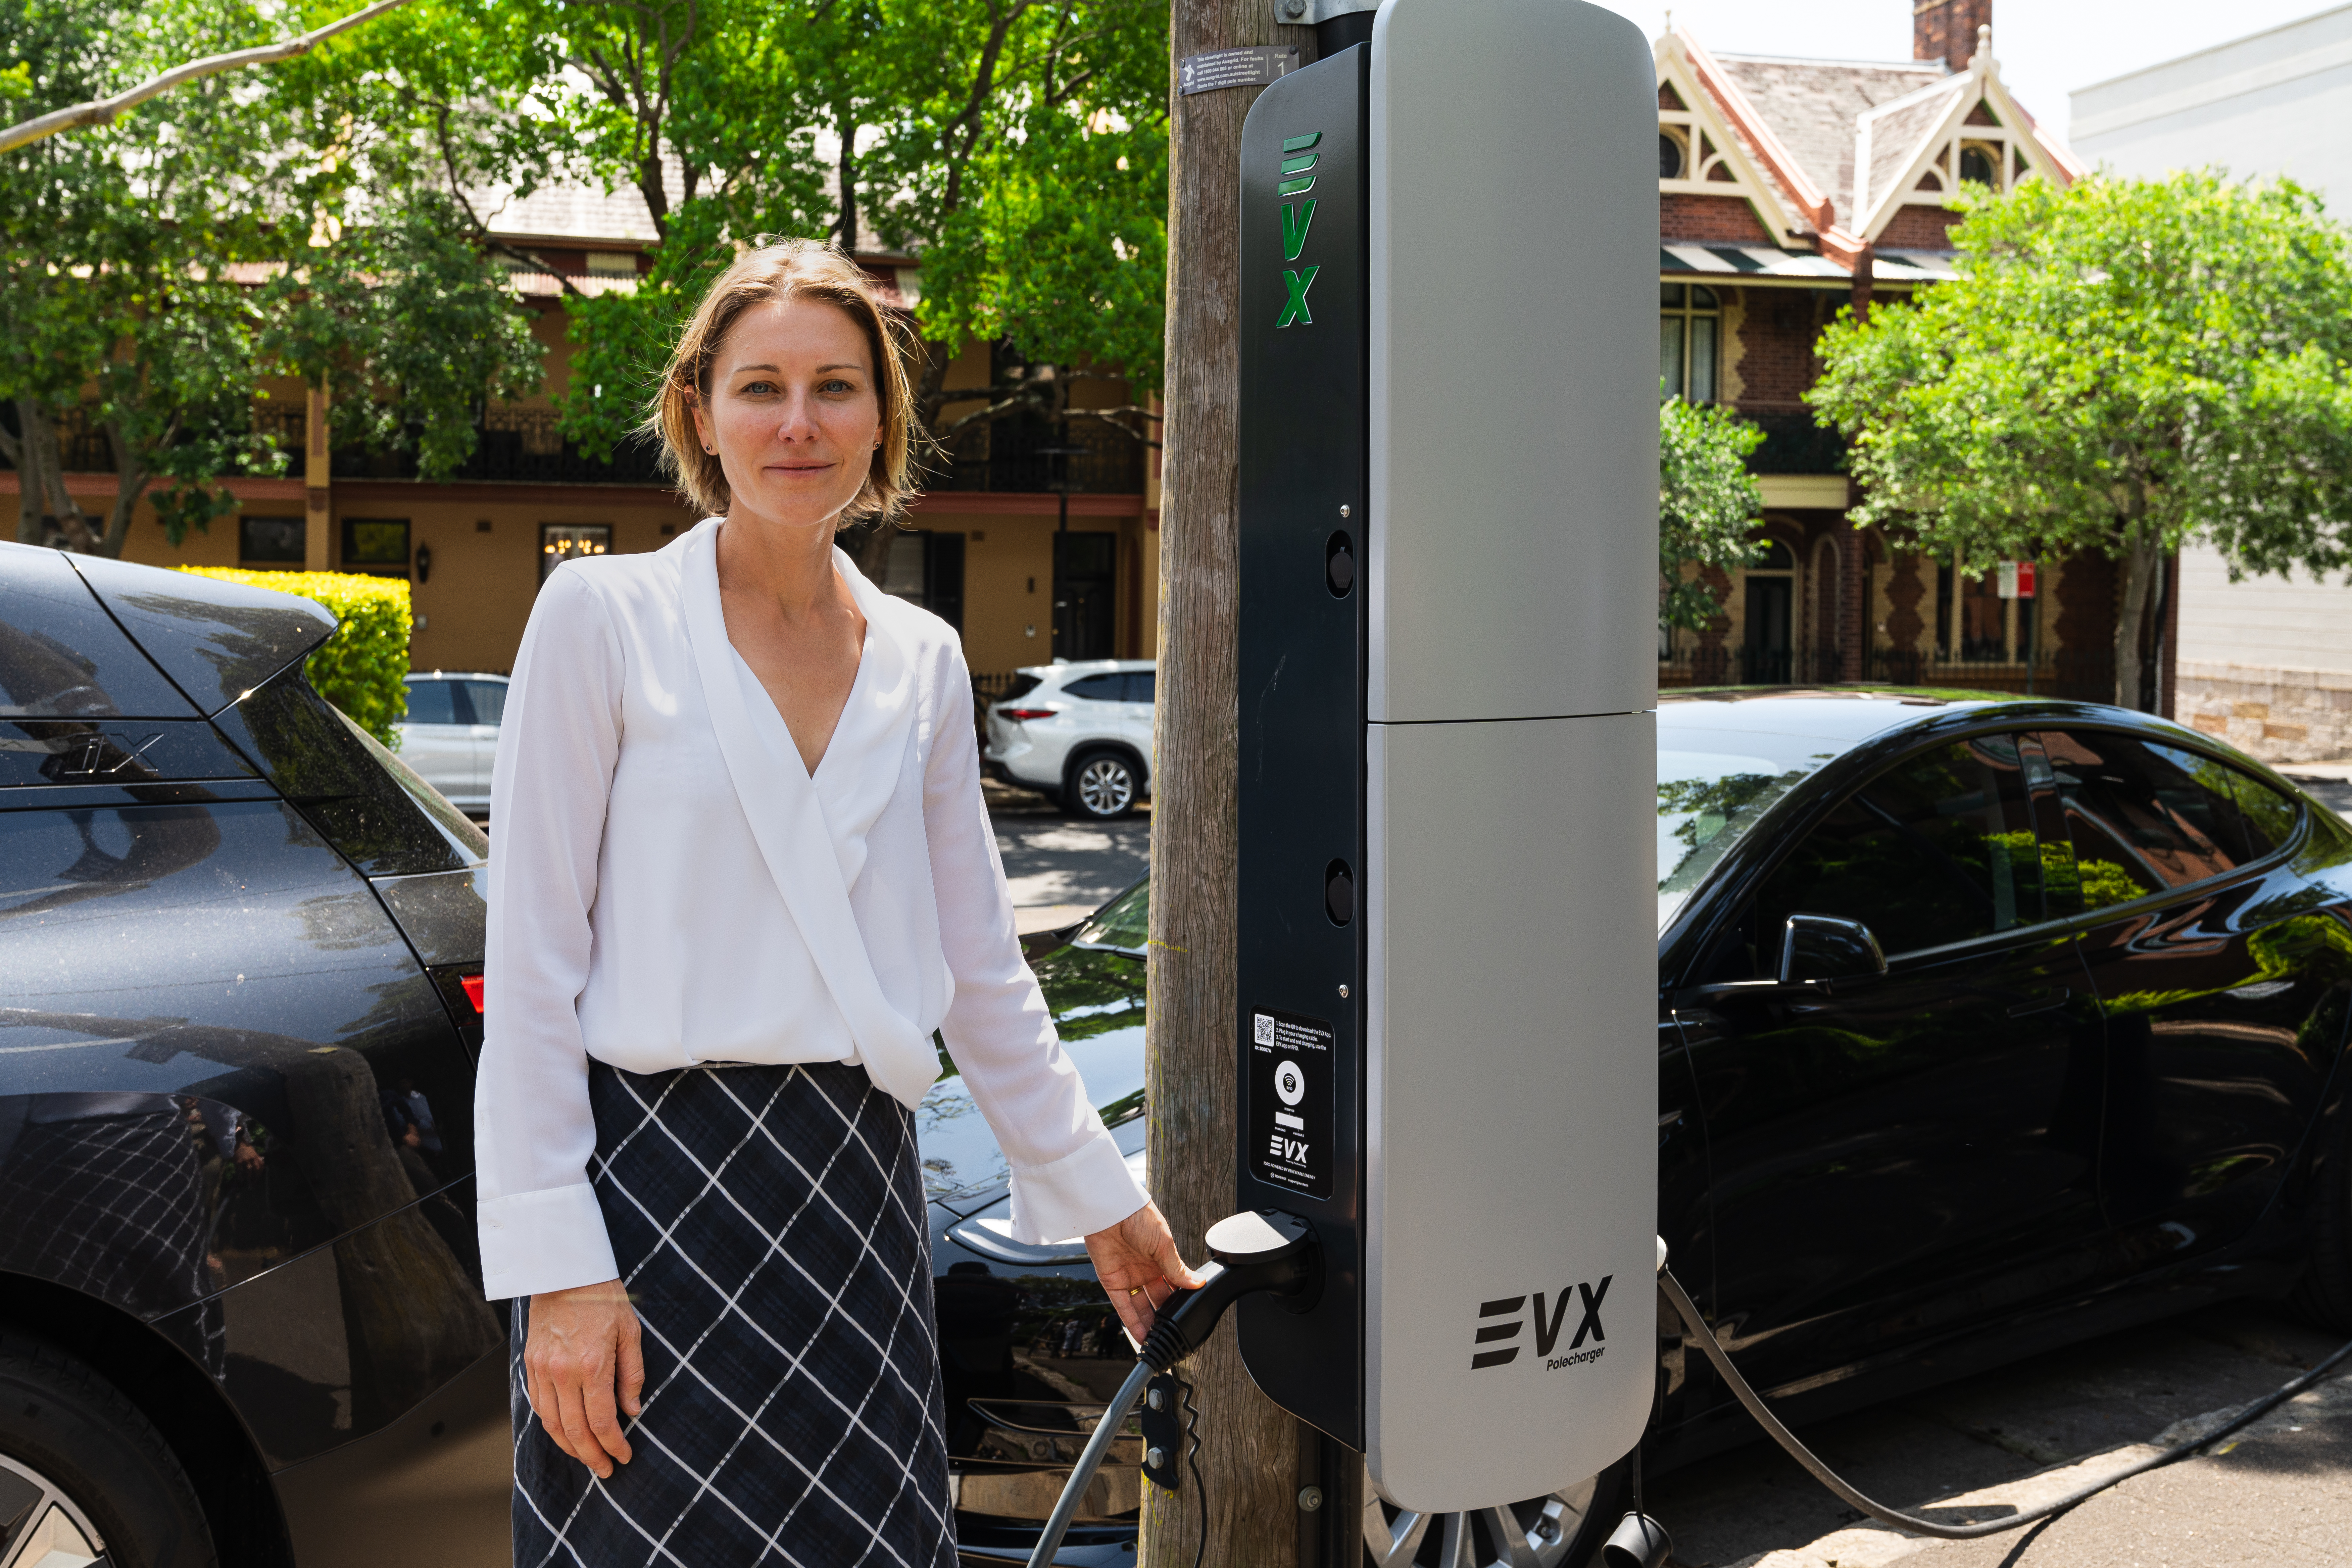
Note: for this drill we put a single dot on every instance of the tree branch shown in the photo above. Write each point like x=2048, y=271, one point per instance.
x=103, y=111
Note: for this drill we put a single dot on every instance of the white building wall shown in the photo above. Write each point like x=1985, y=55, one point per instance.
x=2266, y=662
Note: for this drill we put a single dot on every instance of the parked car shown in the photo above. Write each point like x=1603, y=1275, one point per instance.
x=1984, y=1026
x=1079, y=734
x=241, y=1317
x=451, y=733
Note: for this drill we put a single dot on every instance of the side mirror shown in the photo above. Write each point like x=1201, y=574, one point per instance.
x=1824, y=947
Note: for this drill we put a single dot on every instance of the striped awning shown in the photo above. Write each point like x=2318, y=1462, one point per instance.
x=1764, y=261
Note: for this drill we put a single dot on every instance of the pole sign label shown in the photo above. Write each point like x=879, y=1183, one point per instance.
x=2014, y=579
x=1291, y=1075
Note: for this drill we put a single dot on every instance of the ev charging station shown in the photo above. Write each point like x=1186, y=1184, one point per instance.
x=1448, y=511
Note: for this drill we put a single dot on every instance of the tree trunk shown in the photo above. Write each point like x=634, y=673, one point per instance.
x=32, y=483
x=2141, y=558
x=131, y=483
x=1249, y=1451
x=845, y=227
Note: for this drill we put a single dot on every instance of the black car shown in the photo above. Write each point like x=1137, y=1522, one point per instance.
x=1984, y=1026
x=241, y=1317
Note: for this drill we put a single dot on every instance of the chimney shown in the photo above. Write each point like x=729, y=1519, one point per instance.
x=1945, y=31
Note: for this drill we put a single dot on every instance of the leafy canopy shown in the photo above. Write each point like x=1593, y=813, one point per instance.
x=1707, y=505
x=2121, y=366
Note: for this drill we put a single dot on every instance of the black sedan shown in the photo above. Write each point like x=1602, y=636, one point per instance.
x=241, y=1317
x=1983, y=1026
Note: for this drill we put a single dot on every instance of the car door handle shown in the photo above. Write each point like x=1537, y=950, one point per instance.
x=2048, y=1001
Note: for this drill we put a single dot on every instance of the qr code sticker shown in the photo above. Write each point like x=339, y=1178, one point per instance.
x=1263, y=1029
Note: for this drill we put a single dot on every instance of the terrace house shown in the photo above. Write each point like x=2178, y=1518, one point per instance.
x=1787, y=190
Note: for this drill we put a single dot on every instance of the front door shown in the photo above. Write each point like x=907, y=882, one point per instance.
x=1898, y=1156
x=1770, y=601
x=2223, y=986
x=1085, y=607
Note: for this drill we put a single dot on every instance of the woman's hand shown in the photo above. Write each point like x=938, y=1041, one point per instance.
x=583, y=1351
x=1137, y=1264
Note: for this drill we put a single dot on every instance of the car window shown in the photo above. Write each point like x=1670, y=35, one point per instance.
x=62, y=656
x=1123, y=924
x=489, y=700
x=1938, y=848
x=1140, y=684
x=2146, y=818
x=1020, y=686
x=1098, y=689
x=429, y=703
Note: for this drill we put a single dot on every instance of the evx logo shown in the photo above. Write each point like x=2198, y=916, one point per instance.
x=1502, y=1320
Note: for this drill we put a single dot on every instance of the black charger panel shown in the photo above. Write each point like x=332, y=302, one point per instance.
x=1303, y=530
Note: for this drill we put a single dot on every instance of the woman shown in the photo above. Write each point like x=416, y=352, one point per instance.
x=741, y=873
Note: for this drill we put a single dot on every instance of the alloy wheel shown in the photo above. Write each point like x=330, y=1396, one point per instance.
x=40, y=1526
x=1536, y=1533
x=1105, y=786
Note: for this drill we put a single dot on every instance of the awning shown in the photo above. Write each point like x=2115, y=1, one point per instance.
x=1764, y=261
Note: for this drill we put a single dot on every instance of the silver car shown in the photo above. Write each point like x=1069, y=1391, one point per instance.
x=452, y=732
x=1079, y=734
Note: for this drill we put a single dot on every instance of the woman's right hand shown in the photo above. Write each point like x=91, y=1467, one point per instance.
x=583, y=1369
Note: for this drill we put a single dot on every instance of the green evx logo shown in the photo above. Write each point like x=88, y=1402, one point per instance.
x=1296, y=179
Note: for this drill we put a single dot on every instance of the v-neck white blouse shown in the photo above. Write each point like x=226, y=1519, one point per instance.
x=670, y=886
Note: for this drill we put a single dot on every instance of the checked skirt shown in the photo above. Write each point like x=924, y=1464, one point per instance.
x=769, y=1222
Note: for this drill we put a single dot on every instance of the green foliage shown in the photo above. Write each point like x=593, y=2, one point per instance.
x=2121, y=366
x=1709, y=504
x=363, y=668
x=1019, y=147
x=290, y=221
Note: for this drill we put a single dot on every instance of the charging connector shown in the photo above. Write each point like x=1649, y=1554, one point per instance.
x=1262, y=1249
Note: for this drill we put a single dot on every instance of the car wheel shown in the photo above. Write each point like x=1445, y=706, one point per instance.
x=83, y=1474
x=1102, y=785
x=1563, y=1530
x=2324, y=1294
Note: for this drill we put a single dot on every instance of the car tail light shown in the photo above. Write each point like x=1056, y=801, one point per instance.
x=473, y=984
x=1026, y=713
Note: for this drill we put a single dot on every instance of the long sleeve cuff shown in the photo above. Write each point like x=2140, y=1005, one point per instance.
x=552, y=1239
x=1083, y=1192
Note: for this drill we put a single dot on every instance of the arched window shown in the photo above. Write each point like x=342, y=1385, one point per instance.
x=1689, y=327
x=1980, y=166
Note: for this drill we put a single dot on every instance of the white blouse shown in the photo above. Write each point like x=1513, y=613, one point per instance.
x=669, y=885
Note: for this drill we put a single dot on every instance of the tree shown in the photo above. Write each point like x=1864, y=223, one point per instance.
x=1018, y=147
x=1707, y=505
x=2121, y=367
x=156, y=269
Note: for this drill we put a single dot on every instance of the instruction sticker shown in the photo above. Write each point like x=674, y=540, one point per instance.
x=1290, y=1100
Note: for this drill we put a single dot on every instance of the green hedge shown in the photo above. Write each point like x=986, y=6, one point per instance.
x=361, y=667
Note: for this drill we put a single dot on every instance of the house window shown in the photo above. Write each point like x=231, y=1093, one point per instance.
x=927, y=569
x=270, y=542
x=1673, y=157
x=376, y=546
x=560, y=541
x=1981, y=165
x=612, y=264
x=1689, y=324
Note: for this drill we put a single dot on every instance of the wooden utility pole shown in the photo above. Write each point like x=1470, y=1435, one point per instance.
x=1249, y=1459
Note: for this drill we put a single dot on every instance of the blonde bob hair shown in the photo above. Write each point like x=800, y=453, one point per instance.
x=801, y=269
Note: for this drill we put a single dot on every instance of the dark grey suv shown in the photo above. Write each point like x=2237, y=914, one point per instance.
x=240, y=947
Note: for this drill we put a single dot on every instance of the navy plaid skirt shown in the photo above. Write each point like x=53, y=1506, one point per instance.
x=769, y=1222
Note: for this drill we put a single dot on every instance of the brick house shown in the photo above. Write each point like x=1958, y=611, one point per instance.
x=1787, y=190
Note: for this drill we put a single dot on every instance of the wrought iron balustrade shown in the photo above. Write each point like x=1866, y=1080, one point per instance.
x=1794, y=444
x=1036, y=457
x=516, y=446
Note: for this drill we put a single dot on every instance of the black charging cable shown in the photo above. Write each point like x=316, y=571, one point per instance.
x=1260, y=1250
x=1671, y=1288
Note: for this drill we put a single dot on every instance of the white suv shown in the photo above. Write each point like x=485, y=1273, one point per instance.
x=452, y=732
x=1079, y=734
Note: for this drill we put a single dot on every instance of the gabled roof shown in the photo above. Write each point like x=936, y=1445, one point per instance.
x=1844, y=145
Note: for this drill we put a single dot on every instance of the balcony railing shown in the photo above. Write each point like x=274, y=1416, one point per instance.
x=519, y=446
x=1794, y=444
x=1085, y=456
